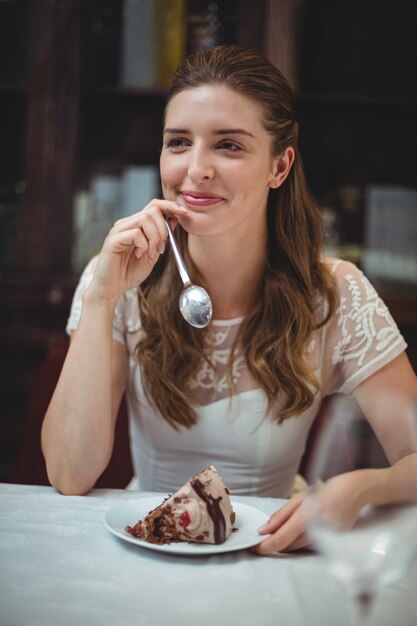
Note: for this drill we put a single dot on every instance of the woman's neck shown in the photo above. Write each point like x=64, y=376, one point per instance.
x=232, y=270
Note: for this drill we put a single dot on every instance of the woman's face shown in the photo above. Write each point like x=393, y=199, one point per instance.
x=216, y=160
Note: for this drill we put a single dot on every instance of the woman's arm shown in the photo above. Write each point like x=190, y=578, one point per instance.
x=78, y=429
x=388, y=399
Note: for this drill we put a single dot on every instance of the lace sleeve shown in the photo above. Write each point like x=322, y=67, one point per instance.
x=361, y=337
x=119, y=320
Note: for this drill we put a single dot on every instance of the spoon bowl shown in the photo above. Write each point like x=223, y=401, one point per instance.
x=195, y=306
x=194, y=302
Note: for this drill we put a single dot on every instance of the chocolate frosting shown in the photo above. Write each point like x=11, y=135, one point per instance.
x=214, y=510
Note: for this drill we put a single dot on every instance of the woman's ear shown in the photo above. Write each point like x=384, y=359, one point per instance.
x=281, y=167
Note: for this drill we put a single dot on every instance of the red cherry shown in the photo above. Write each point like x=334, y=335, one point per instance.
x=185, y=519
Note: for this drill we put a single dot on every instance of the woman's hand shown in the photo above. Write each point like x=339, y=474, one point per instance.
x=340, y=500
x=131, y=249
x=285, y=527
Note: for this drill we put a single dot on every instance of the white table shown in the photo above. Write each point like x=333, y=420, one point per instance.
x=60, y=566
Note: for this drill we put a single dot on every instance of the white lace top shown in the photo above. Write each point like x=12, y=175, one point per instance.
x=253, y=453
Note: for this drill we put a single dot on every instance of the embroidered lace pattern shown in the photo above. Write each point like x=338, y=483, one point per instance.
x=364, y=321
x=210, y=383
x=361, y=337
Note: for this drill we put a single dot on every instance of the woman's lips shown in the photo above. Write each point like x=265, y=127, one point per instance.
x=193, y=198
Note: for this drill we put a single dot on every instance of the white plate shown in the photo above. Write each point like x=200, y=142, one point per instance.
x=248, y=520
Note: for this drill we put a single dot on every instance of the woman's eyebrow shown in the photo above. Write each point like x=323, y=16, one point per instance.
x=221, y=131
x=232, y=131
x=179, y=131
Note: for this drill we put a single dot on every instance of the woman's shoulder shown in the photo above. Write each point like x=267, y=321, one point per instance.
x=348, y=276
x=340, y=267
x=361, y=335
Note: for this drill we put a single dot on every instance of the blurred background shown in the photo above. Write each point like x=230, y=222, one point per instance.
x=82, y=91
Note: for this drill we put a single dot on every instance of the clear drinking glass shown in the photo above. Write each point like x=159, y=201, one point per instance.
x=382, y=544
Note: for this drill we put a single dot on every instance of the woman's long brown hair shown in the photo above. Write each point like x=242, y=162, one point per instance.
x=274, y=334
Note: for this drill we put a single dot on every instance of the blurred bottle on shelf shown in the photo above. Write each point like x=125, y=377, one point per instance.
x=342, y=213
x=169, y=40
x=94, y=211
x=137, y=59
x=210, y=24
x=152, y=42
x=139, y=184
x=331, y=231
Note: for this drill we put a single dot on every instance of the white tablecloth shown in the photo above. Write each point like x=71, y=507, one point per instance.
x=60, y=566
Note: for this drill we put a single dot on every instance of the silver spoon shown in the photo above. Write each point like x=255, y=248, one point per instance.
x=194, y=302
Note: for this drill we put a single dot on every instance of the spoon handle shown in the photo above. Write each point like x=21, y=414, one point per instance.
x=178, y=258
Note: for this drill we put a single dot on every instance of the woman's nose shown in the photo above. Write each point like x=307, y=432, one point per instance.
x=200, y=166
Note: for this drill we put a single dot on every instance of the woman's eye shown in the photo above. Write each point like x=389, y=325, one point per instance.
x=230, y=146
x=176, y=142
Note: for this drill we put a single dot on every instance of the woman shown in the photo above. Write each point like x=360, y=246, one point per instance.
x=243, y=393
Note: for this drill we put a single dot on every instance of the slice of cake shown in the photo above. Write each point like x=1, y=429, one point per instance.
x=199, y=512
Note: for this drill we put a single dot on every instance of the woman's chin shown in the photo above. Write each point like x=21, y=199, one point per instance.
x=199, y=224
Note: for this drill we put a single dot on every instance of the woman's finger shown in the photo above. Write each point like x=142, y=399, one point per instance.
x=156, y=208
x=118, y=242
x=153, y=235
x=287, y=534
x=279, y=518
